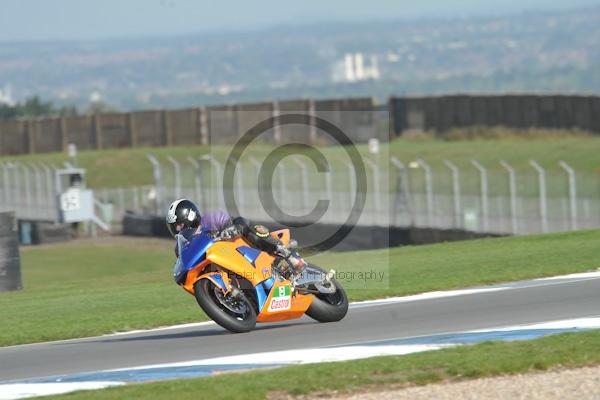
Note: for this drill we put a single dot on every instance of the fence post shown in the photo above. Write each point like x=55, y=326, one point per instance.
x=312, y=112
x=5, y=183
x=572, y=193
x=136, y=195
x=282, y=182
x=48, y=184
x=402, y=187
x=197, y=180
x=542, y=189
x=121, y=194
x=329, y=185
x=18, y=187
x=304, y=178
x=27, y=182
x=484, y=193
x=277, y=127
x=218, y=177
x=239, y=178
x=512, y=188
x=376, y=186
x=428, y=190
x=455, y=193
x=352, y=177
x=257, y=166
x=157, y=174
x=177, y=171
x=38, y=185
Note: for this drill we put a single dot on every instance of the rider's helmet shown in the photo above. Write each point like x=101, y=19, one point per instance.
x=182, y=214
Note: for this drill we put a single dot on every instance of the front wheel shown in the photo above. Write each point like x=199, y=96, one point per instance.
x=235, y=315
x=329, y=307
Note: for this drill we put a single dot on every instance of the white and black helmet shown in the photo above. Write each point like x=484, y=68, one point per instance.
x=182, y=214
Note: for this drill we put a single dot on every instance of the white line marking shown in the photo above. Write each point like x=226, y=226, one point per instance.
x=426, y=296
x=575, y=323
x=593, y=274
x=298, y=356
x=572, y=278
x=24, y=390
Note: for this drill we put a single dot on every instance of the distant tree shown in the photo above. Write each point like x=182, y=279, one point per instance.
x=7, y=112
x=34, y=107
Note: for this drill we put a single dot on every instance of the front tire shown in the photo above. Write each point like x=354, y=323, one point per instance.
x=329, y=307
x=238, y=318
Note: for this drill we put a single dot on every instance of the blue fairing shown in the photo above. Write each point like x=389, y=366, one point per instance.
x=193, y=253
x=249, y=254
x=262, y=291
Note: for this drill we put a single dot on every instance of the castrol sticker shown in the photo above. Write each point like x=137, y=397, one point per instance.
x=282, y=299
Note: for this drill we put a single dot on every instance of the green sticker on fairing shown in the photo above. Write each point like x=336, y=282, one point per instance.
x=283, y=291
x=282, y=299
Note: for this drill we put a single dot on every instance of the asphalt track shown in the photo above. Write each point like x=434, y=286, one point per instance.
x=494, y=306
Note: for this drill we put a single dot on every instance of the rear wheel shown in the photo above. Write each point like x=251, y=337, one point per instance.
x=234, y=314
x=329, y=307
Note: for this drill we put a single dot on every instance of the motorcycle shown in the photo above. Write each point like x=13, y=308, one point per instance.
x=237, y=285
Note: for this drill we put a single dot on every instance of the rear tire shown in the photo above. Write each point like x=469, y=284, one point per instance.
x=329, y=307
x=206, y=296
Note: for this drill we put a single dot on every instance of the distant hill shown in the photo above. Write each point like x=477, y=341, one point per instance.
x=531, y=52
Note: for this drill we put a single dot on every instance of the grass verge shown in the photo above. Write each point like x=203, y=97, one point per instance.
x=93, y=287
x=459, y=363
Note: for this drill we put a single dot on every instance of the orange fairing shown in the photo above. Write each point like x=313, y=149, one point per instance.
x=193, y=275
x=294, y=306
x=225, y=254
x=283, y=235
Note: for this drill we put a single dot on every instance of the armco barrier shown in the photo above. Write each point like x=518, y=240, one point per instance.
x=360, y=238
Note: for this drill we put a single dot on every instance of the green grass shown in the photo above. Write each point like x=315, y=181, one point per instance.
x=89, y=288
x=453, y=364
x=105, y=168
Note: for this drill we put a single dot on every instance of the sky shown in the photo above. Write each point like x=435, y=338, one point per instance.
x=24, y=20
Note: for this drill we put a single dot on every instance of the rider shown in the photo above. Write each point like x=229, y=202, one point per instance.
x=183, y=217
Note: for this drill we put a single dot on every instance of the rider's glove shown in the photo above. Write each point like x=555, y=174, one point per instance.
x=228, y=233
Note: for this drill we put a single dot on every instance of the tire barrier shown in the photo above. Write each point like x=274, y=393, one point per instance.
x=360, y=238
x=10, y=262
x=35, y=232
x=144, y=225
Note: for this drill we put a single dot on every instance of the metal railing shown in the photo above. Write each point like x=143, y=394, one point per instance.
x=470, y=196
x=447, y=194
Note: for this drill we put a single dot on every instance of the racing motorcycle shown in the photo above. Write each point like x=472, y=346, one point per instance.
x=237, y=285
